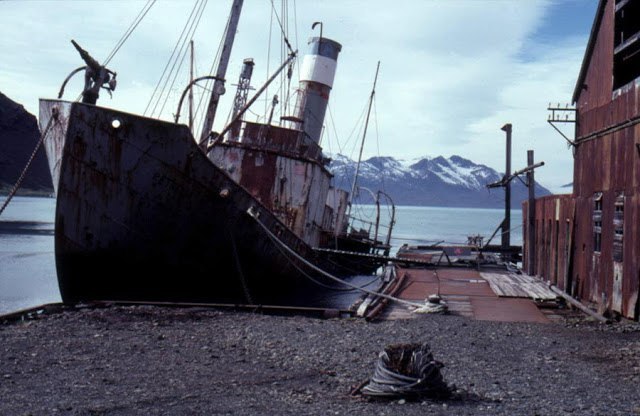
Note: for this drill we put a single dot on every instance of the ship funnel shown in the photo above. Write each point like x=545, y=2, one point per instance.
x=316, y=79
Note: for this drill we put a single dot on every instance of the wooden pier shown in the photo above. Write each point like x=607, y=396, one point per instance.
x=489, y=294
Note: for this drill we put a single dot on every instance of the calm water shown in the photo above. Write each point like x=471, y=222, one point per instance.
x=426, y=225
x=27, y=265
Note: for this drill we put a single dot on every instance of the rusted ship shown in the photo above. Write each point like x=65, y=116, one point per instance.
x=147, y=213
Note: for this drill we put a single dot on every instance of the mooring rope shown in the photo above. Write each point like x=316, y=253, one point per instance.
x=319, y=283
x=326, y=274
x=15, y=188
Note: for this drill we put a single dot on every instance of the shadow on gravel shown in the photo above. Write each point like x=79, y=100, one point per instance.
x=463, y=397
x=459, y=397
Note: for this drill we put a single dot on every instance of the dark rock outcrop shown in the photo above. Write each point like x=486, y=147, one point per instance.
x=19, y=135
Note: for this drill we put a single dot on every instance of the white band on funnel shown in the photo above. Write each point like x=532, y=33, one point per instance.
x=319, y=69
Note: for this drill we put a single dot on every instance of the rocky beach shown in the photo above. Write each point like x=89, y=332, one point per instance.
x=124, y=360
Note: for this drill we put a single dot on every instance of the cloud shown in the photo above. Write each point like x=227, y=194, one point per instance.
x=452, y=72
x=464, y=70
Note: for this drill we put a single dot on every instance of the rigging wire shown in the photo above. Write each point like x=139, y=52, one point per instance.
x=134, y=24
x=230, y=114
x=282, y=50
x=335, y=131
x=324, y=273
x=266, y=93
x=357, y=129
x=169, y=61
x=329, y=142
x=341, y=150
x=317, y=282
x=288, y=90
x=284, y=31
x=143, y=12
x=198, y=94
x=179, y=60
x=357, y=126
x=266, y=100
x=192, y=29
x=200, y=109
x=349, y=288
x=295, y=28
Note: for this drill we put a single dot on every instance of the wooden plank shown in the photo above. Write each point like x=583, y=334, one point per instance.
x=518, y=286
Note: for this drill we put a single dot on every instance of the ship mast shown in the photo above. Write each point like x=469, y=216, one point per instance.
x=191, y=89
x=364, y=135
x=218, y=86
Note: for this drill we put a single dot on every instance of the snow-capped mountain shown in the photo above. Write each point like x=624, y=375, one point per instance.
x=437, y=181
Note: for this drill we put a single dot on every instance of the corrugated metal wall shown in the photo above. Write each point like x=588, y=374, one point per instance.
x=607, y=170
x=554, y=222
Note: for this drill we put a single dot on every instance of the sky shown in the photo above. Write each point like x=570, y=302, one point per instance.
x=452, y=72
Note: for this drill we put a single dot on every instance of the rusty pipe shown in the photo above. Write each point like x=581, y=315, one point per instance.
x=188, y=88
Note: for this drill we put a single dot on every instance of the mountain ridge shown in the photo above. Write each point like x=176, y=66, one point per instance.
x=431, y=181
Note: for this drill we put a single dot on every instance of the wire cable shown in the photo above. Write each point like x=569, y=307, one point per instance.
x=175, y=48
x=326, y=274
x=130, y=30
x=192, y=29
x=201, y=109
x=319, y=283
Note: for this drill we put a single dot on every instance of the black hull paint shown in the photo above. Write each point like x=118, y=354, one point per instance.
x=143, y=215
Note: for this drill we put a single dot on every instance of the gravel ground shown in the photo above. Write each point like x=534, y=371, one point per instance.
x=166, y=361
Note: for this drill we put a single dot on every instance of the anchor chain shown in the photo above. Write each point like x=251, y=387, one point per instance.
x=15, y=188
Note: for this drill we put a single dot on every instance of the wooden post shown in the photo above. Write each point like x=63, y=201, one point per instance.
x=531, y=217
x=506, y=223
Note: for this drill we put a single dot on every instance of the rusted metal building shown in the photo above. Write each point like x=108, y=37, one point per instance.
x=588, y=243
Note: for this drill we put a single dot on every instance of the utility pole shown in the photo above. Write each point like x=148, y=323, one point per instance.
x=531, y=217
x=506, y=223
x=505, y=183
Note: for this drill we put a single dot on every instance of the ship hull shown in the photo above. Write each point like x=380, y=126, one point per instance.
x=143, y=215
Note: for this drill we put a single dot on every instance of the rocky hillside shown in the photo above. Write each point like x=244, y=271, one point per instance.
x=439, y=181
x=18, y=136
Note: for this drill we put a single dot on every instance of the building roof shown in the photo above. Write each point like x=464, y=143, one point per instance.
x=595, y=28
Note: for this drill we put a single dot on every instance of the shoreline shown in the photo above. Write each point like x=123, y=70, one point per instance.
x=39, y=193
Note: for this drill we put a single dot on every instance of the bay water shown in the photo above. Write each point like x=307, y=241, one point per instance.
x=27, y=263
